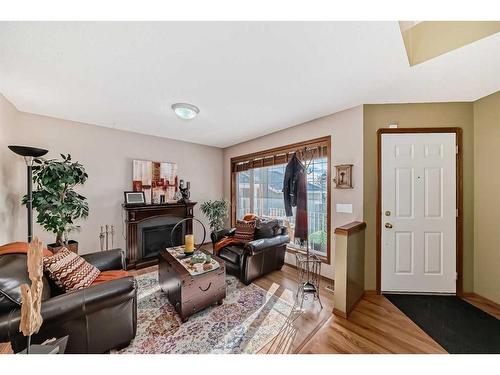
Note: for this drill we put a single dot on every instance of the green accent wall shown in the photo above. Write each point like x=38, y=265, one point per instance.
x=487, y=197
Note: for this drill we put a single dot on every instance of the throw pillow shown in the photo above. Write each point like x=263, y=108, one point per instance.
x=266, y=228
x=69, y=271
x=244, y=230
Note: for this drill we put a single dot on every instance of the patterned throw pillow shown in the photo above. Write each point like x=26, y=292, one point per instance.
x=70, y=271
x=245, y=230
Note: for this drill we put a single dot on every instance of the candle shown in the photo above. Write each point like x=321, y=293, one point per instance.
x=189, y=243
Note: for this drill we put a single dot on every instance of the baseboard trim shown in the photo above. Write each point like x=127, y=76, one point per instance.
x=345, y=315
x=324, y=278
x=339, y=313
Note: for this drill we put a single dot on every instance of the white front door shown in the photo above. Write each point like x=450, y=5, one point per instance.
x=418, y=213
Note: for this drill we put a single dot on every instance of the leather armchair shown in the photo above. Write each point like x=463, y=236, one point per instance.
x=256, y=246
x=219, y=235
x=259, y=257
x=97, y=319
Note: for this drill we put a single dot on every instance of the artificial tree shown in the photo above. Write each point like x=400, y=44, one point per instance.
x=217, y=212
x=57, y=203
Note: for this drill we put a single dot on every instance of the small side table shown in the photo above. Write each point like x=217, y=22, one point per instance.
x=309, y=276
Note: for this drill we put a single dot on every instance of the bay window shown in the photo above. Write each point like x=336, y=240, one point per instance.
x=257, y=184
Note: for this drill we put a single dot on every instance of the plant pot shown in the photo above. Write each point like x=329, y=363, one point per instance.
x=72, y=246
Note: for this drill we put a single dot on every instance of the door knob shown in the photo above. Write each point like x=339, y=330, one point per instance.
x=388, y=225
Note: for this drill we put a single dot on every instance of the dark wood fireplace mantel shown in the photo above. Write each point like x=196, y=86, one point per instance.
x=135, y=214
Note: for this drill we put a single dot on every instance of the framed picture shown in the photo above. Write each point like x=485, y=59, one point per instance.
x=343, y=176
x=135, y=197
x=158, y=180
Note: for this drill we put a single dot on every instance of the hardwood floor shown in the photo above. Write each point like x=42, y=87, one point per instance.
x=490, y=307
x=300, y=327
x=377, y=326
x=374, y=326
x=5, y=348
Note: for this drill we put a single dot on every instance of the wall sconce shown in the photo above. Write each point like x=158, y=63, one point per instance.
x=343, y=176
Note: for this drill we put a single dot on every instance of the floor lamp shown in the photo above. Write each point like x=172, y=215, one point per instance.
x=29, y=154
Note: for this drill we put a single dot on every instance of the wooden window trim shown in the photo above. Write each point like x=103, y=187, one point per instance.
x=288, y=150
x=324, y=259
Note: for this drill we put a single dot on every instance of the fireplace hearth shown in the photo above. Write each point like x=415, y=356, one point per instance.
x=149, y=229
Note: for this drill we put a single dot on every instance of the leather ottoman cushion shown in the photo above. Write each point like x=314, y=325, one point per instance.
x=232, y=253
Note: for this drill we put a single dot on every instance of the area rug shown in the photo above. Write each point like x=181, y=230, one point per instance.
x=455, y=324
x=247, y=320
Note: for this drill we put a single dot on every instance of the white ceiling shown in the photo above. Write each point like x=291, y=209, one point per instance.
x=248, y=78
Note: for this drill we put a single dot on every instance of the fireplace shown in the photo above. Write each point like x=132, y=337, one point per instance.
x=149, y=230
x=157, y=237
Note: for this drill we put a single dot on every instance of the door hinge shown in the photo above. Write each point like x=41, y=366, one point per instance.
x=456, y=212
x=456, y=275
x=456, y=149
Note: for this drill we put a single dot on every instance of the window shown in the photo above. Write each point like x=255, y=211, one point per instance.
x=258, y=184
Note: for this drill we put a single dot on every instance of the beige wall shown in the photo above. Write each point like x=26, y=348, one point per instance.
x=107, y=155
x=346, y=130
x=409, y=116
x=8, y=117
x=487, y=197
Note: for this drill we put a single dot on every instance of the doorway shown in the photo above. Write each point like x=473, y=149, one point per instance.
x=419, y=209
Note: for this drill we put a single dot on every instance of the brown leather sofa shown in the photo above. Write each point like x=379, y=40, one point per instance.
x=96, y=319
x=265, y=254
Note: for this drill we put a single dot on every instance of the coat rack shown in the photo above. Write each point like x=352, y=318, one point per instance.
x=308, y=265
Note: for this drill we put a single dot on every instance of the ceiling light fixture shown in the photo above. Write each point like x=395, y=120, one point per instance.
x=185, y=111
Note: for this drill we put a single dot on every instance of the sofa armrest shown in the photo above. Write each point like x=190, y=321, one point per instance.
x=257, y=246
x=107, y=260
x=216, y=236
x=74, y=304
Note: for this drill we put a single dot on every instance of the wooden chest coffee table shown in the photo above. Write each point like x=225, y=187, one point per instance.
x=190, y=294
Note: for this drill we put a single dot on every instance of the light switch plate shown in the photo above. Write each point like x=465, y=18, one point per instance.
x=345, y=208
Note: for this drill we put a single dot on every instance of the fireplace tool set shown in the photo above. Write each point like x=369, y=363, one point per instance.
x=106, y=236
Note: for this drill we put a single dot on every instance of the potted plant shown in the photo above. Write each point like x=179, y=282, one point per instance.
x=55, y=199
x=217, y=212
x=318, y=240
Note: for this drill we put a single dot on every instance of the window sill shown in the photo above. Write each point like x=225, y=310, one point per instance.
x=293, y=250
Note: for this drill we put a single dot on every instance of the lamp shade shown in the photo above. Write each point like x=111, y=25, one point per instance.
x=28, y=151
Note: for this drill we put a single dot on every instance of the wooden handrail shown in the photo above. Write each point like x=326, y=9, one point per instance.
x=349, y=229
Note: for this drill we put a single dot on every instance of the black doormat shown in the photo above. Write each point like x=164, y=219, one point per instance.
x=456, y=325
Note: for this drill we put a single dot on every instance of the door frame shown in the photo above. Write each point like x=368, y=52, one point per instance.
x=459, y=198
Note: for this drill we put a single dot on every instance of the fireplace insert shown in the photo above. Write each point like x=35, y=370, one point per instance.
x=158, y=237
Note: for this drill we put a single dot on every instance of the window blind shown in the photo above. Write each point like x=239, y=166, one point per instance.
x=313, y=149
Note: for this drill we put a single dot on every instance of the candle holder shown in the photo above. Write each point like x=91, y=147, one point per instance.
x=204, y=234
